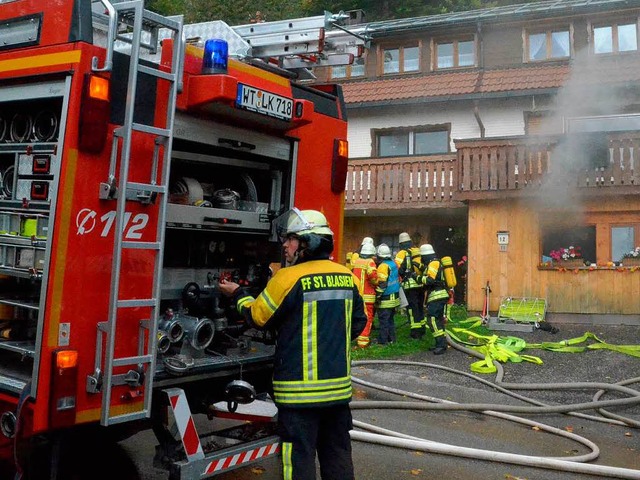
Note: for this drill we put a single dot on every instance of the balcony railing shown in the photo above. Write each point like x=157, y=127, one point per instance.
x=496, y=168
x=490, y=168
x=401, y=182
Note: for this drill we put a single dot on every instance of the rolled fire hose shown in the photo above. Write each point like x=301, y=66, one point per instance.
x=20, y=128
x=45, y=126
x=404, y=441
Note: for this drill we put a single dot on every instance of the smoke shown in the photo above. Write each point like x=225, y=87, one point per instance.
x=584, y=151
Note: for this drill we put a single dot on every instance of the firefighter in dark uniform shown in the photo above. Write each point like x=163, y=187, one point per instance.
x=315, y=309
x=432, y=277
x=408, y=262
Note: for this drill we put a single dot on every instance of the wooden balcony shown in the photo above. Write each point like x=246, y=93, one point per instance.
x=523, y=165
x=497, y=168
x=402, y=182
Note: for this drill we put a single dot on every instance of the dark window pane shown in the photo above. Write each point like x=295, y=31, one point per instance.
x=428, y=143
x=580, y=237
x=391, y=145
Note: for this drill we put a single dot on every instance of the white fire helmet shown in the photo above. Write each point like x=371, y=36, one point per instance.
x=367, y=241
x=301, y=222
x=368, y=249
x=384, y=251
x=404, y=237
x=427, y=249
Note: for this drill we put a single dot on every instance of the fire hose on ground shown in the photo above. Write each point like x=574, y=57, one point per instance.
x=575, y=464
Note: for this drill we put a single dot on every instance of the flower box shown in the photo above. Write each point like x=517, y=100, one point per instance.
x=569, y=263
x=631, y=262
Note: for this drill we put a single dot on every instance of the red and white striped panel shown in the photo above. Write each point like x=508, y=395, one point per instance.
x=240, y=458
x=186, y=426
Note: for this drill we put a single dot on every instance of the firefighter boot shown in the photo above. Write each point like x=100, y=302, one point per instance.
x=441, y=345
x=417, y=333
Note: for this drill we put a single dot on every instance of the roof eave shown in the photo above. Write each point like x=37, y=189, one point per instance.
x=449, y=98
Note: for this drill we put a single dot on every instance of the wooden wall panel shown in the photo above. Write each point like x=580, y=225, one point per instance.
x=516, y=272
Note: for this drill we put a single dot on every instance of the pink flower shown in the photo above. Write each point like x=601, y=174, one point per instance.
x=566, y=253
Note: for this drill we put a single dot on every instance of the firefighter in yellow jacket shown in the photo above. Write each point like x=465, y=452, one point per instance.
x=432, y=277
x=352, y=257
x=366, y=271
x=315, y=308
x=408, y=262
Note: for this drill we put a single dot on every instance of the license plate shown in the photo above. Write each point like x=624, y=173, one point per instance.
x=263, y=102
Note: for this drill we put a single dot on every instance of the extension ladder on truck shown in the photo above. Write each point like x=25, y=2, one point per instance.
x=132, y=17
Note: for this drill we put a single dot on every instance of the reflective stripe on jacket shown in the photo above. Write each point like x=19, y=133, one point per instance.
x=367, y=273
x=409, y=264
x=316, y=309
x=433, y=279
x=388, y=285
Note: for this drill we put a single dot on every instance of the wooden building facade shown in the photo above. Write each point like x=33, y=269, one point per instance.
x=518, y=124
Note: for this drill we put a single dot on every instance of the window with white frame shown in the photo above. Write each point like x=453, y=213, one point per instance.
x=615, y=38
x=401, y=60
x=548, y=45
x=425, y=140
x=455, y=53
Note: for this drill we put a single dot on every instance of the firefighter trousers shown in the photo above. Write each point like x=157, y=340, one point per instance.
x=363, y=339
x=415, y=298
x=387, y=329
x=435, y=316
x=325, y=430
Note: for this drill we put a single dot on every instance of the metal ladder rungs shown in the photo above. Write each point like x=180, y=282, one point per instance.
x=126, y=39
x=130, y=22
x=141, y=302
x=152, y=18
x=157, y=73
x=142, y=245
x=147, y=187
x=161, y=132
x=139, y=359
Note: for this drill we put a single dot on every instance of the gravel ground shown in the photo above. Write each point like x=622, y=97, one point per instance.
x=618, y=445
x=603, y=366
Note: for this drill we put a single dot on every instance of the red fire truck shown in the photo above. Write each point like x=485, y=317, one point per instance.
x=138, y=166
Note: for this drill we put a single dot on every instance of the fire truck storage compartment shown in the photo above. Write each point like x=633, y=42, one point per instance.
x=226, y=186
x=30, y=126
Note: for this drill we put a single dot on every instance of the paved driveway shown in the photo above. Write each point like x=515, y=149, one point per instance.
x=619, y=445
